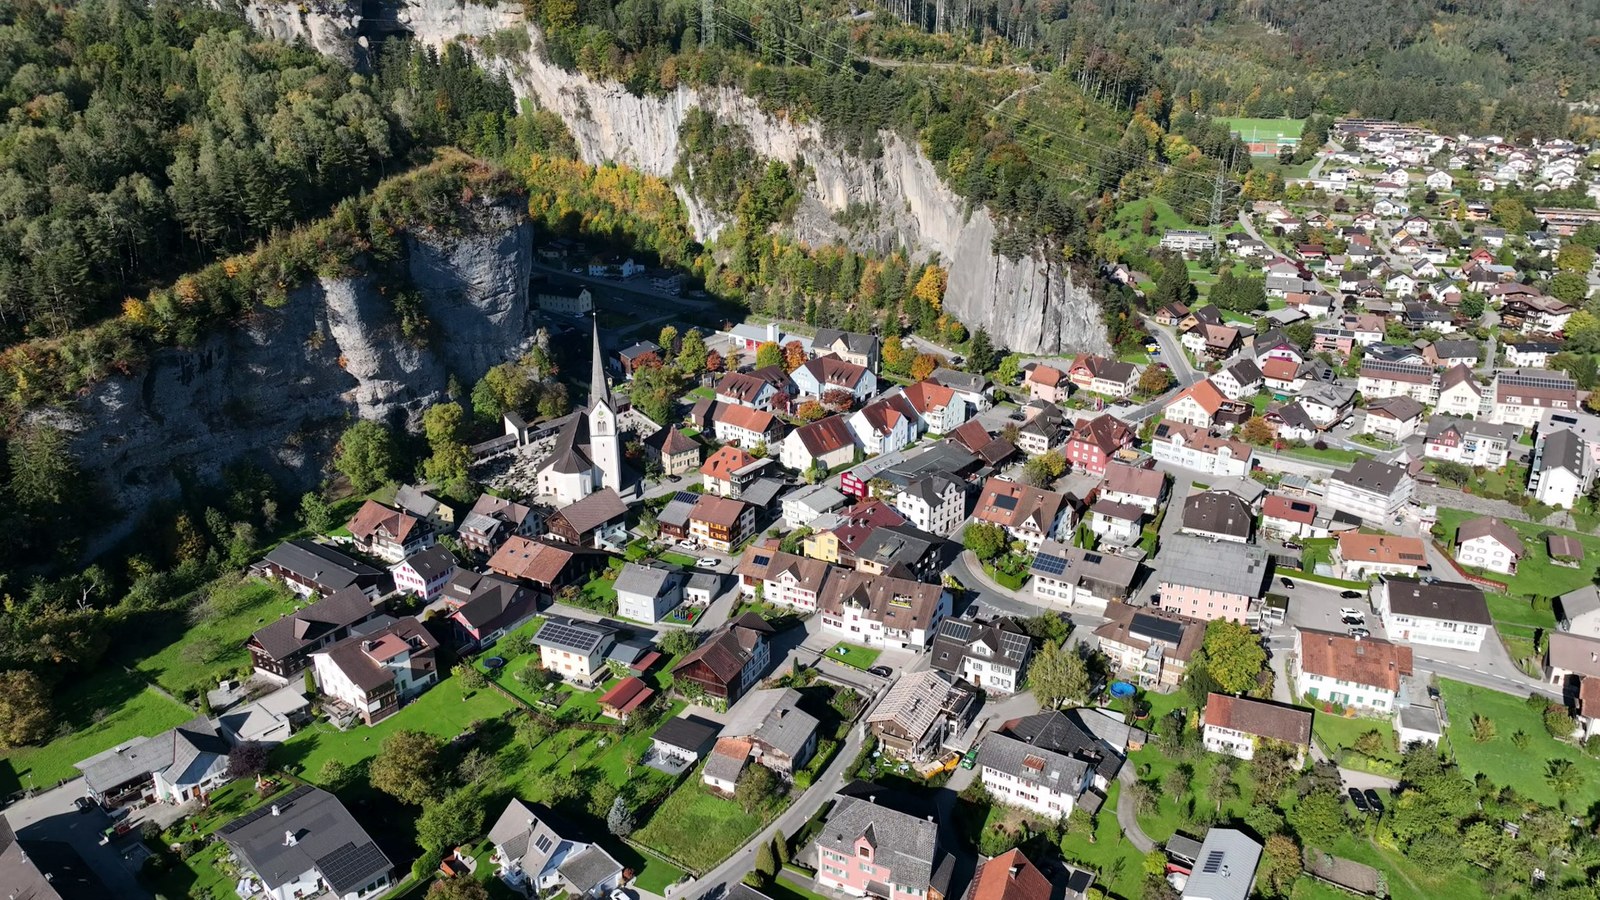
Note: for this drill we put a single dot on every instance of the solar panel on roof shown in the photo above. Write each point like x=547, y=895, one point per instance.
x=957, y=630
x=1013, y=646
x=1156, y=628
x=1213, y=863
x=349, y=866
x=1005, y=502
x=686, y=497
x=1093, y=559
x=266, y=810
x=1050, y=565
x=567, y=635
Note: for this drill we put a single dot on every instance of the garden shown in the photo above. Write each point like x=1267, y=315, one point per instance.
x=1536, y=576
x=1508, y=739
x=854, y=656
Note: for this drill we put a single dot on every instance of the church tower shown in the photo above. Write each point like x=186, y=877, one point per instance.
x=604, y=444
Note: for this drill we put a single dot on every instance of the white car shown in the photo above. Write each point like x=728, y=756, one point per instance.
x=707, y=562
x=1347, y=612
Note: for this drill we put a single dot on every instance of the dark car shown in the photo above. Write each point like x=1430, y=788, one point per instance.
x=1372, y=800
x=880, y=671
x=1353, y=620
x=1360, y=633
x=84, y=804
x=1286, y=583
x=1350, y=595
x=1359, y=800
x=1291, y=545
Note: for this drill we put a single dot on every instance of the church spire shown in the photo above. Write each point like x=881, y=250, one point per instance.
x=599, y=392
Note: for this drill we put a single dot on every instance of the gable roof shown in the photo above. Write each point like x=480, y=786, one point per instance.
x=1441, y=600
x=727, y=460
x=1368, y=474
x=926, y=396
x=1383, y=549
x=1105, y=432
x=977, y=439
x=1009, y=876
x=898, y=603
x=1289, y=724
x=1217, y=512
x=1367, y=661
x=744, y=417
x=493, y=602
x=574, y=635
x=1204, y=393
x=1289, y=509
x=1402, y=409
x=364, y=657
x=1492, y=527
x=327, y=839
x=373, y=519
x=832, y=372
x=825, y=435
x=905, y=844
x=726, y=652
x=1011, y=503
x=320, y=564
x=1005, y=642
x=595, y=510
x=302, y=628
x=540, y=562
x=1121, y=478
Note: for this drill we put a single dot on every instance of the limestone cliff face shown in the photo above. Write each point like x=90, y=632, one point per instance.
x=1031, y=304
x=279, y=387
x=328, y=26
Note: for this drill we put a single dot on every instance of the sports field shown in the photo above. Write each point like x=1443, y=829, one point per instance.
x=1266, y=129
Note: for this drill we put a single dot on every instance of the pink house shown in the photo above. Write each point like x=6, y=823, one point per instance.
x=1208, y=580
x=869, y=848
x=1048, y=383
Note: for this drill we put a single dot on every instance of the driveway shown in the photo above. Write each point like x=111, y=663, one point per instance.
x=51, y=816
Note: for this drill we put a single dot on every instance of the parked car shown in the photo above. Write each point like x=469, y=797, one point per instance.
x=1372, y=800
x=971, y=759
x=1350, y=595
x=1291, y=545
x=707, y=562
x=1360, y=633
x=1352, y=620
x=1288, y=585
x=84, y=804
x=880, y=671
x=1351, y=612
x=1359, y=800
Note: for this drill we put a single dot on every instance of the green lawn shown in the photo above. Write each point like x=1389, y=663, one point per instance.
x=214, y=645
x=1339, y=733
x=99, y=713
x=1501, y=760
x=1536, y=576
x=1334, y=455
x=1153, y=766
x=699, y=828
x=1127, y=230
x=678, y=559
x=1115, y=862
x=854, y=656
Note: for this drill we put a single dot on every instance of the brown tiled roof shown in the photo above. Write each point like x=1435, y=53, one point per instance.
x=740, y=386
x=1289, y=724
x=361, y=657
x=1491, y=526
x=1105, y=431
x=1205, y=393
x=1574, y=652
x=824, y=436
x=296, y=630
x=1010, y=503
x=1049, y=376
x=744, y=417
x=1289, y=510
x=1009, y=876
x=926, y=395
x=898, y=603
x=717, y=510
x=763, y=564
x=831, y=371
x=374, y=516
x=1122, y=478
x=1386, y=549
x=977, y=439
x=1280, y=369
x=535, y=561
x=1364, y=661
x=722, y=464
x=1589, y=698
x=595, y=510
x=883, y=415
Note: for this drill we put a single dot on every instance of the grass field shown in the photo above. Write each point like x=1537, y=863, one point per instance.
x=1331, y=455
x=1535, y=574
x=1501, y=760
x=699, y=828
x=1264, y=129
x=853, y=656
x=100, y=713
x=214, y=643
x=1127, y=231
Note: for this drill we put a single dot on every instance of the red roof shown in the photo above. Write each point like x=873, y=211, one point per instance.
x=626, y=696
x=1289, y=510
x=744, y=417
x=1049, y=376
x=1280, y=369
x=1104, y=431
x=1204, y=393
x=722, y=464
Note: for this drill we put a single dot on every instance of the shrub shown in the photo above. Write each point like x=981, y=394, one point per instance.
x=1558, y=721
x=1483, y=728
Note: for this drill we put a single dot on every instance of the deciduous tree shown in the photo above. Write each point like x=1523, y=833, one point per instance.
x=924, y=365
x=691, y=358
x=25, y=715
x=365, y=455
x=407, y=768
x=768, y=354
x=1058, y=674
x=986, y=541
x=794, y=356
x=1155, y=380
x=247, y=760
x=1232, y=655
x=755, y=788
x=1257, y=431
x=1280, y=867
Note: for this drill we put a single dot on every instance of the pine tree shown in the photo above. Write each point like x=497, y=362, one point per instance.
x=766, y=863
x=980, y=353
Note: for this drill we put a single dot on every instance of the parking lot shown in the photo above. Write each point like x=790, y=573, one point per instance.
x=52, y=816
x=1316, y=606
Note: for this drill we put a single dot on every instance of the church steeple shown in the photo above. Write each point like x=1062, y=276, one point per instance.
x=599, y=391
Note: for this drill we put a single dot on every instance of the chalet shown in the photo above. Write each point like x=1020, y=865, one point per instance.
x=721, y=523
x=494, y=519
x=484, y=606
x=728, y=662
x=283, y=648
x=595, y=521
x=992, y=655
x=308, y=567
x=375, y=670
x=921, y=712
x=1028, y=514
x=1149, y=646
x=549, y=565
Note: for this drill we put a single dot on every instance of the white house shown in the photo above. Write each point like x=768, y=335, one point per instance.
x=424, y=574
x=1236, y=726
x=935, y=503
x=373, y=672
x=884, y=426
x=1436, y=614
x=880, y=610
x=306, y=845
x=1195, y=448
x=1370, y=489
x=1364, y=673
x=827, y=373
x=1489, y=543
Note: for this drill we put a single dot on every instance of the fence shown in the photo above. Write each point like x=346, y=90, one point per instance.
x=1498, y=587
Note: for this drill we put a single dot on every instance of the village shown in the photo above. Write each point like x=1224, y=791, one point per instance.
x=997, y=628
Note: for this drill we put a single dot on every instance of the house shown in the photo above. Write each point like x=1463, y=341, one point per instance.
x=1050, y=762
x=728, y=662
x=870, y=846
x=881, y=610
x=622, y=699
x=1393, y=418
x=935, y=503
x=1189, y=243
x=729, y=756
x=975, y=390
x=1149, y=646
x=388, y=534
x=1379, y=378
x=45, y=869
x=1115, y=523
x=746, y=390
x=484, y=606
x=544, y=564
x=675, y=452
x=1209, y=580
x=885, y=426
x=1195, y=405
x=283, y=648
x=902, y=551
x=1433, y=613
x=1048, y=383
x=1570, y=658
x=939, y=409
x=1226, y=866
x=640, y=354
x=990, y=654
x=728, y=471
x=721, y=523
x=573, y=649
x=424, y=573
x=595, y=521
x=1290, y=421
x=1369, y=489
x=1563, y=468
x=1359, y=557
x=306, y=844
x=1096, y=374
x=1288, y=518
x=378, y=668
x=1449, y=354
x=1236, y=726
x=176, y=766
x=571, y=300
x=1531, y=353
x=1469, y=442
x=838, y=544
x=782, y=736
x=1523, y=396
x=648, y=592
x=308, y=567
x=1588, y=717
x=1028, y=514
x=1327, y=403
x=1489, y=543
x=1134, y=485
x=534, y=853
x=976, y=439
x=1044, y=426
x=856, y=349
x=1078, y=577
x=268, y=720
x=1238, y=379
x=1439, y=180
x=683, y=741
x=1361, y=673
x=808, y=503
x=826, y=443
x=418, y=500
x=826, y=374
x=1194, y=447
x=747, y=427
x=1218, y=516
x=1094, y=441
x=1459, y=392
x=921, y=712
x=492, y=520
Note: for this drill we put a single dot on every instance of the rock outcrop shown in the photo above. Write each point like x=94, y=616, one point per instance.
x=1032, y=304
x=278, y=387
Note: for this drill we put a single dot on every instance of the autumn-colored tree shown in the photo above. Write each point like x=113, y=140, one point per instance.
x=837, y=399
x=930, y=287
x=924, y=365
x=768, y=354
x=692, y=356
x=714, y=361
x=810, y=411
x=1257, y=431
x=667, y=341
x=896, y=358
x=794, y=356
x=1155, y=380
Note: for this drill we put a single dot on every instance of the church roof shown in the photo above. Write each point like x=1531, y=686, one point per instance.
x=599, y=391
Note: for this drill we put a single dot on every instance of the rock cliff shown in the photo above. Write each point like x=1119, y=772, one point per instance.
x=1032, y=304
x=278, y=387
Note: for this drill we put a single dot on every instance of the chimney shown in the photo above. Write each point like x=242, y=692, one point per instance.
x=1012, y=871
x=772, y=332
x=288, y=839
x=275, y=810
x=872, y=798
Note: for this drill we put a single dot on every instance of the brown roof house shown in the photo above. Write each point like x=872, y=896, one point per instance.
x=544, y=564
x=1338, y=670
x=283, y=648
x=388, y=534
x=598, y=520
x=1362, y=556
x=1237, y=725
x=377, y=669
x=882, y=611
x=1489, y=543
x=675, y=452
x=1149, y=645
x=727, y=663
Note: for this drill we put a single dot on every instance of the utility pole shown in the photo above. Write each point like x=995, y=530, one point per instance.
x=1216, y=193
x=708, y=23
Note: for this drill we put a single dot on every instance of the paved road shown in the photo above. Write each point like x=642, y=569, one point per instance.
x=1127, y=815
x=51, y=816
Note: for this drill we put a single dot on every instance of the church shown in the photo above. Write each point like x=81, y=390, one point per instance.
x=588, y=450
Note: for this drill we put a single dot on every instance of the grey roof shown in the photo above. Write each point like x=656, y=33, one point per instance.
x=307, y=626
x=45, y=870
x=688, y=733
x=773, y=717
x=1226, y=868
x=1216, y=512
x=1370, y=475
x=1183, y=847
x=1245, y=371
x=1421, y=718
x=761, y=492
x=1561, y=449
x=1402, y=408
x=320, y=564
x=1247, y=489
x=855, y=342
x=1078, y=565
x=1196, y=562
x=677, y=510
x=917, y=699
x=1438, y=425
x=432, y=562
x=326, y=838
x=574, y=635
x=647, y=580
x=523, y=833
x=1580, y=602
x=889, y=545
x=414, y=499
x=816, y=497
x=1071, y=734
x=904, y=843
x=704, y=581
x=960, y=381
x=1038, y=766
x=957, y=639
x=1438, y=600
x=594, y=510
x=1575, y=653
x=726, y=767
x=589, y=868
